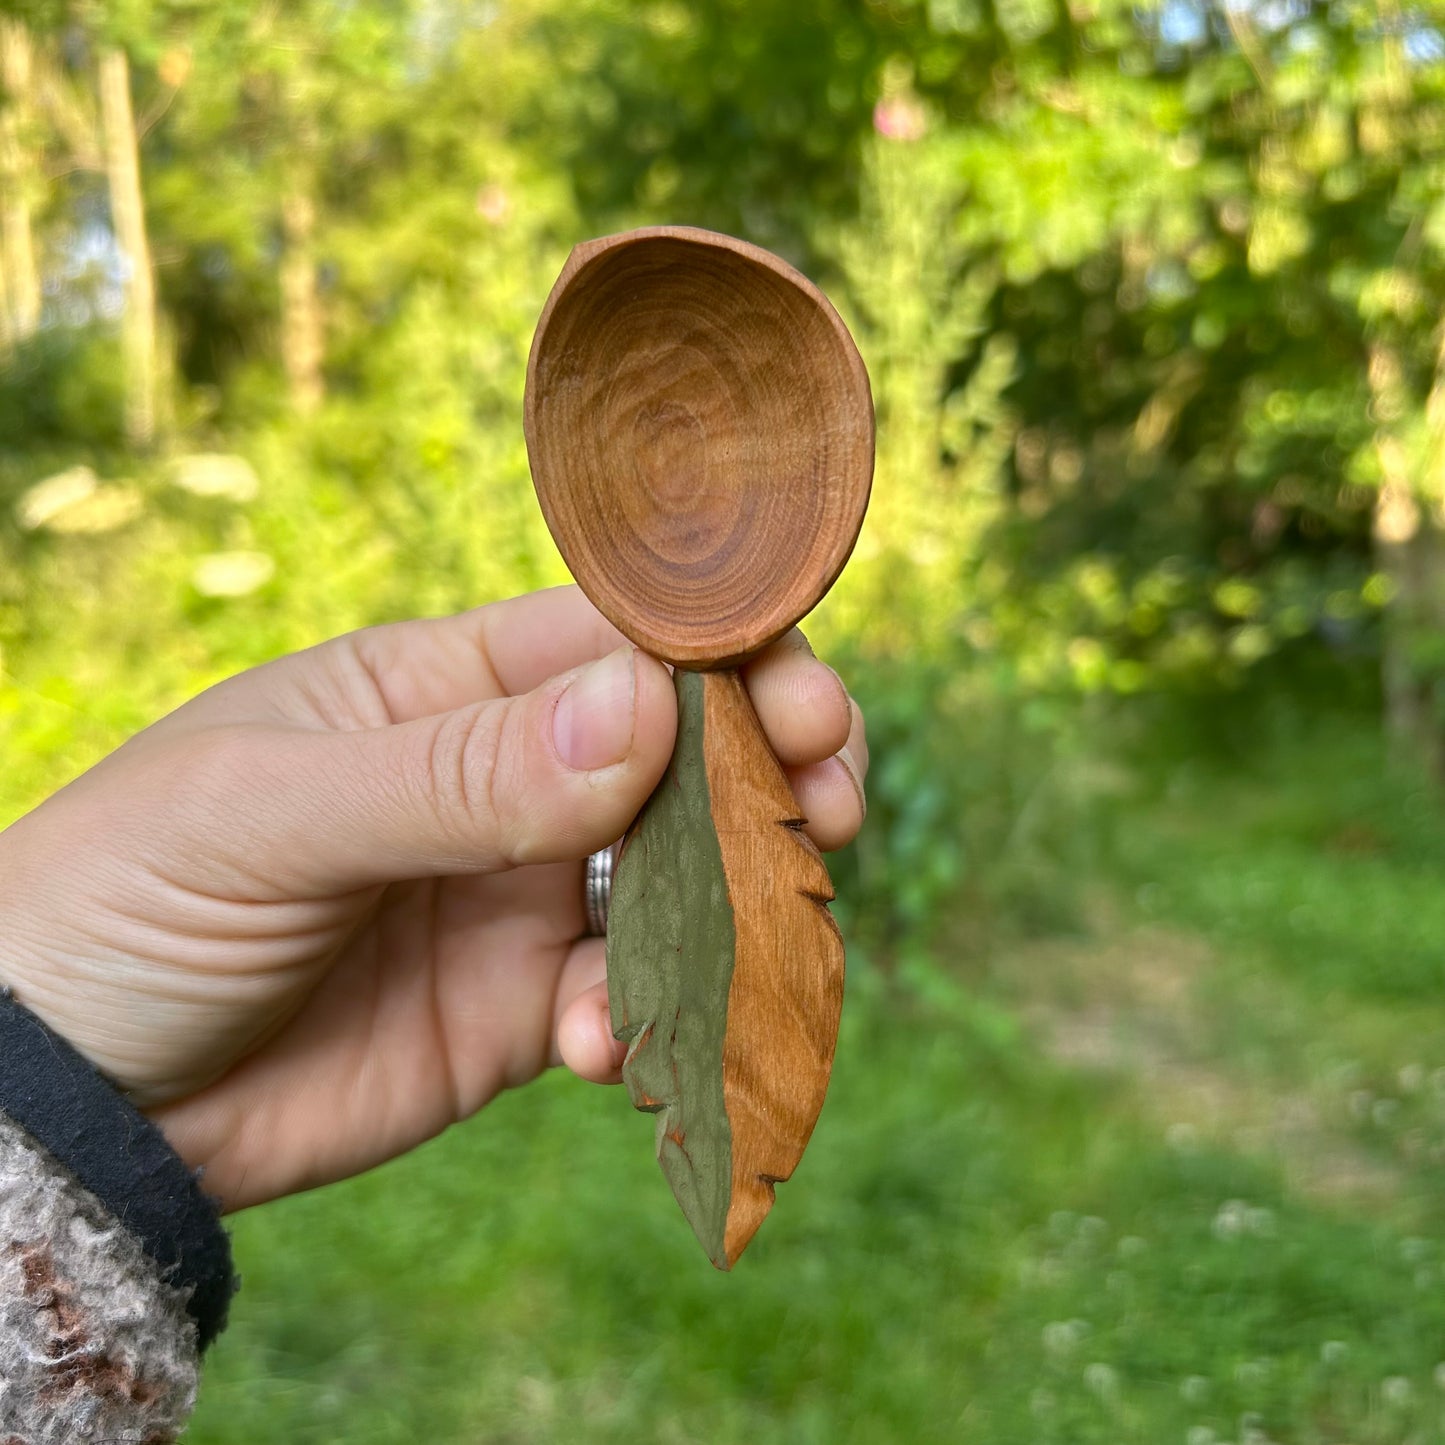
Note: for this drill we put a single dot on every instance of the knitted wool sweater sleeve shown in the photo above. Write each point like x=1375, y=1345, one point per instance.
x=94, y=1344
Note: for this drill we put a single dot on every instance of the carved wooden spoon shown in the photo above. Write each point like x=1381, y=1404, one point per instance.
x=700, y=431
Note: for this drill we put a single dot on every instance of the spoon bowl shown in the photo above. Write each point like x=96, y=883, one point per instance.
x=700, y=432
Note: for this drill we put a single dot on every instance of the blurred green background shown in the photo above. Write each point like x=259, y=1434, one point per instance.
x=1138, y=1124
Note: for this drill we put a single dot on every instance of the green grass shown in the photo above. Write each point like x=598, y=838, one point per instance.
x=1148, y=1147
x=1224, y=1224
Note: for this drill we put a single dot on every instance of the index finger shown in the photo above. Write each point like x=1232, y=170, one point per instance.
x=433, y=665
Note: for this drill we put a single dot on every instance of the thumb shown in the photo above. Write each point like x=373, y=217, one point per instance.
x=548, y=776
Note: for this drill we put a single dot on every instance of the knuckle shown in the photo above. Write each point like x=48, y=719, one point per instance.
x=512, y=800
x=456, y=768
x=469, y=769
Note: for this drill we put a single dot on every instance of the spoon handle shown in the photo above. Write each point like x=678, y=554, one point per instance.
x=724, y=966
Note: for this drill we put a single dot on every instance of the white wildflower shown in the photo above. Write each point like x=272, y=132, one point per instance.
x=1396, y=1391
x=46, y=500
x=1231, y=1219
x=1061, y=1337
x=232, y=574
x=1182, y=1137
x=217, y=474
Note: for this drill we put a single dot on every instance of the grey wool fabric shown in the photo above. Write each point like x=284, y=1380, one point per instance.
x=94, y=1344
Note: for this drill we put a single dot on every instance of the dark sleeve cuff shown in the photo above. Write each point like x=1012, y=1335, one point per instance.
x=65, y=1104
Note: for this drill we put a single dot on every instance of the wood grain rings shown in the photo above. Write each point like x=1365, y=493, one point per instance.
x=740, y=439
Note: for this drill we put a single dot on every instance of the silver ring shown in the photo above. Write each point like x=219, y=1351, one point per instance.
x=597, y=891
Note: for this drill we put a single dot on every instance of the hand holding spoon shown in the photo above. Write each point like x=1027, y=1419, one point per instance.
x=700, y=432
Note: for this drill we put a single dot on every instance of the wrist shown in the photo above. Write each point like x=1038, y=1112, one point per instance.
x=62, y=1102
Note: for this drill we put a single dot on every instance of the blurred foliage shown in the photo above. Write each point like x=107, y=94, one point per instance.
x=1223, y=1224
x=1149, y=297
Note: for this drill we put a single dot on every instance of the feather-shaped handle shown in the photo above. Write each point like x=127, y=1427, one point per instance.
x=701, y=437
x=725, y=967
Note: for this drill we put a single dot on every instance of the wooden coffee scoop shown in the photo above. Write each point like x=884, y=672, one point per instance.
x=700, y=431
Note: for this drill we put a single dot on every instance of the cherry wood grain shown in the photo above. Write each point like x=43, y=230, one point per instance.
x=700, y=431
x=724, y=968
x=785, y=996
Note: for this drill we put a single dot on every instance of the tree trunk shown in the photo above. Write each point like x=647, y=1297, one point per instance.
x=127, y=211
x=1409, y=538
x=19, y=273
x=303, y=342
x=7, y=342
x=1399, y=555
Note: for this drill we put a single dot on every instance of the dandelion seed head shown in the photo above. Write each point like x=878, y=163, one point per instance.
x=1061, y=1337
x=1182, y=1138
x=1230, y=1219
x=232, y=574
x=1396, y=1391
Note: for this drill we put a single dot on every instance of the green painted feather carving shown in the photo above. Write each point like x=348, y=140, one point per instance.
x=725, y=983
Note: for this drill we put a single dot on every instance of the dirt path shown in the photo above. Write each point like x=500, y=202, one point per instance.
x=1129, y=1003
